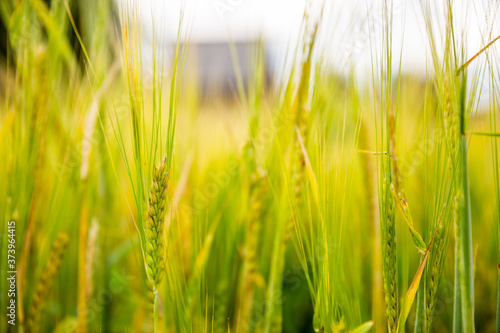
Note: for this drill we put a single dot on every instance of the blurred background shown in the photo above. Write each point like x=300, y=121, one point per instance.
x=349, y=43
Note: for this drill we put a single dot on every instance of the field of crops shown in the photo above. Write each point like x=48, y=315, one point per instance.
x=313, y=202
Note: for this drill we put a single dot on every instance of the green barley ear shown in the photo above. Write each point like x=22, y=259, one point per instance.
x=389, y=272
x=155, y=261
x=301, y=113
x=251, y=275
x=436, y=259
x=257, y=195
x=153, y=231
x=44, y=285
x=150, y=299
x=452, y=139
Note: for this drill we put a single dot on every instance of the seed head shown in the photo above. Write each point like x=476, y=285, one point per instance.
x=155, y=261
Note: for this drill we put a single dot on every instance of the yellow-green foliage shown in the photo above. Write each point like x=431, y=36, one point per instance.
x=283, y=207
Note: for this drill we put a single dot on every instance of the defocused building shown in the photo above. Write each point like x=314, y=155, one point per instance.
x=213, y=68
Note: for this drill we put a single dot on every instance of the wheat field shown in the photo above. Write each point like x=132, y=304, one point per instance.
x=136, y=198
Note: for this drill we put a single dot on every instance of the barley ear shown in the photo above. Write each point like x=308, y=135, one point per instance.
x=389, y=271
x=154, y=254
x=436, y=260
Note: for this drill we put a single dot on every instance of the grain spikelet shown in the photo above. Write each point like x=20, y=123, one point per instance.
x=389, y=271
x=155, y=261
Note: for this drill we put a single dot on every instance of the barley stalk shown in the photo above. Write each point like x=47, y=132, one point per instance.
x=298, y=181
x=440, y=240
x=301, y=114
x=276, y=324
x=466, y=260
x=373, y=217
x=451, y=142
x=457, y=303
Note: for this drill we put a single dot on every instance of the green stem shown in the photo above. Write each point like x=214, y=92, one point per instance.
x=457, y=304
x=498, y=300
x=467, y=273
